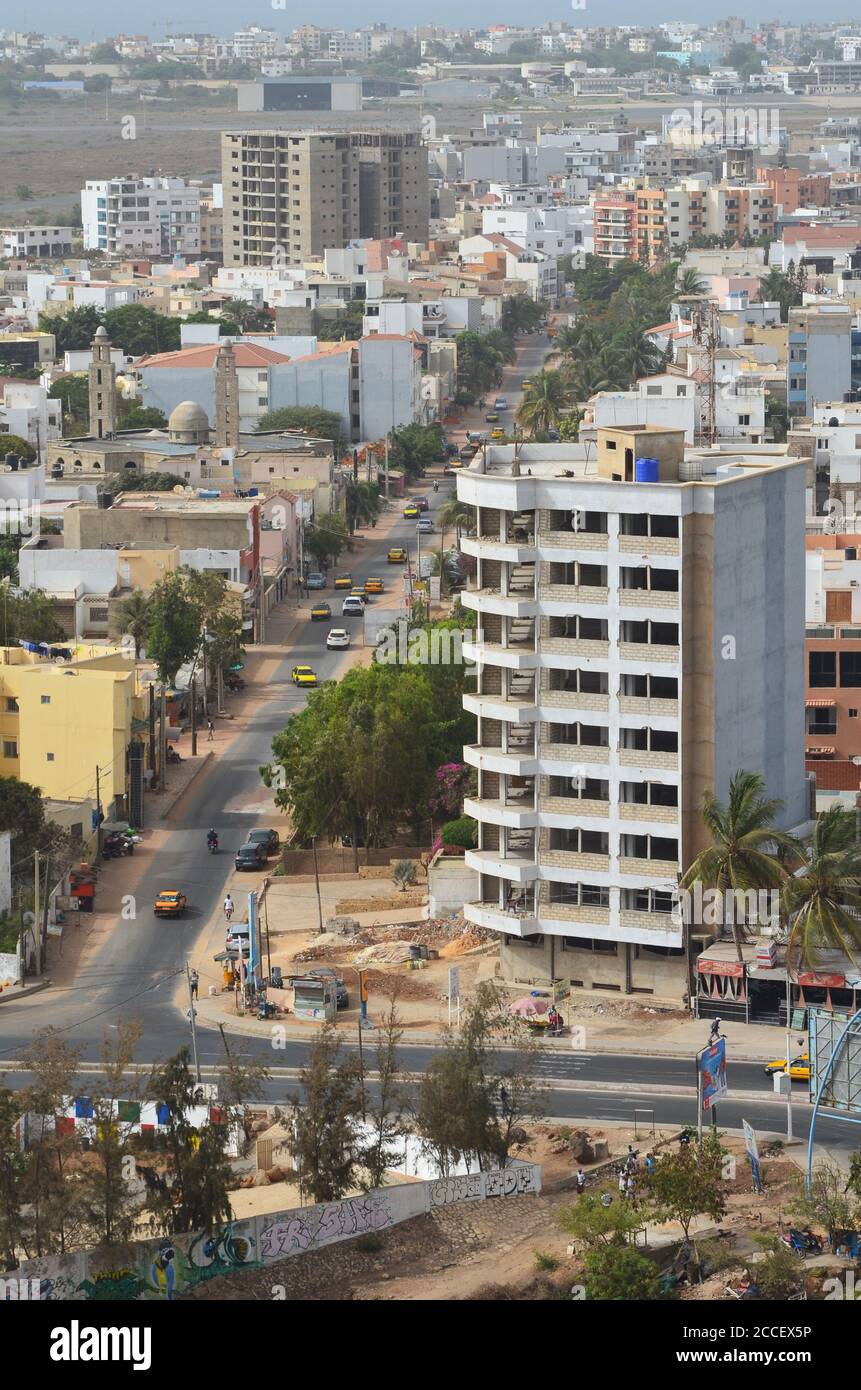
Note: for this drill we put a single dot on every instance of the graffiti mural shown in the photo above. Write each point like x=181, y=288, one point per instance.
x=165, y=1267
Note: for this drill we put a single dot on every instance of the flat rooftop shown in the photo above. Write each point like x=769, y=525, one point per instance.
x=579, y=461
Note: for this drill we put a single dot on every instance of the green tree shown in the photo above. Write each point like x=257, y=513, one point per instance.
x=415, y=447
x=139, y=330
x=23, y=192
x=143, y=417
x=111, y=1205
x=248, y=318
x=27, y=615
x=544, y=399
x=784, y=287
x=480, y=359
x=136, y=619
x=621, y=1274
x=73, y=332
x=820, y=904
x=520, y=314
x=131, y=481
x=386, y=1108
x=363, y=504
x=325, y=1117
x=829, y=1202
x=104, y=53
x=744, y=844
x=175, y=627
x=73, y=390
x=191, y=1194
x=14, y=444
x=688, y=1182
x=780, y=1273
x=326, y=537
x=13, y=1171
x=689, y=281
x=346, y=327
x=54, y=1198
x=777, y=417
x=599, y=1227
x=323, y=424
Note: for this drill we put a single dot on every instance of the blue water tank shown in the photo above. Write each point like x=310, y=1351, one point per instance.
x=646, y=471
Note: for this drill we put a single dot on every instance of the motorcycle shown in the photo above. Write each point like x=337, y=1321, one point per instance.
x=436, y=485
x=802, y=1242
x=212, y=843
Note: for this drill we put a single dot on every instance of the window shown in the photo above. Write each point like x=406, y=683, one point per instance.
x=50, y=757
x=10, y=748
x=850, y=668
x=822, y=670
x=853, y=713
x=45, y=699
x=11, y=704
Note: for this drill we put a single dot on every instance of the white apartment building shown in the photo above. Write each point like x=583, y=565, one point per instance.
x=439, y=318
x=27, y=411
x=16, y=242
x=639, y=639
x=141, y=216
x=557, y=231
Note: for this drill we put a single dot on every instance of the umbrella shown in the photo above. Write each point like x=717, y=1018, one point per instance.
x=527, y=1007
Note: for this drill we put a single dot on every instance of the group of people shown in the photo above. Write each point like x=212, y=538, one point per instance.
x=628, y=1175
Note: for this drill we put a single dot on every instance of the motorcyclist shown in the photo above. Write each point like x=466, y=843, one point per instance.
x=436, y=484
x=212, y=839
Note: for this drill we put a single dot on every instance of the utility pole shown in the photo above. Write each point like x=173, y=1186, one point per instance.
x=193, y=693
x=317, y=886
x=98, y=813
x=205, y=709
x=387, y=465
x=362, y=1016
x=43, y=927
x=789, y=1135
x=162, y=737
x=37, y=935
x=191, y=1018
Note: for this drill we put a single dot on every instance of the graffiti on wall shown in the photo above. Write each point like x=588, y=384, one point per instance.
x=162, y=1268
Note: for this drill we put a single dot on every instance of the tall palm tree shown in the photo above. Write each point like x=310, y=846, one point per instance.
x=689, y=282
x=544, y=400
x=743, y=853
x=136, y=619
x=817, y=903
x=590, y=376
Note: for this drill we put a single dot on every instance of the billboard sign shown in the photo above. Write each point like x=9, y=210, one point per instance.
x=828, y=1034
x=711, y=1069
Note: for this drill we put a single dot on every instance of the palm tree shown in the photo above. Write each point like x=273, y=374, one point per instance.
x=818, y=903
x=589, y=377
x=638, y=355
x=136, y=619
x=743, y=853
x=362, y=502
x=689, y=282
x=544, y=399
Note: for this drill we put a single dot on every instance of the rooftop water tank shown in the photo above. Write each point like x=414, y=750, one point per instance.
x=646, y=471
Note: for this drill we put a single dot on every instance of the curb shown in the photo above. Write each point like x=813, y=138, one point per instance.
x=36, y=988
x=166, y=810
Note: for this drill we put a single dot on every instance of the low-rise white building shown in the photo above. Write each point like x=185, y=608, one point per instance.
x=32, y=242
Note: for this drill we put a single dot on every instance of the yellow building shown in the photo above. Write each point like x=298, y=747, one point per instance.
x=61, y=720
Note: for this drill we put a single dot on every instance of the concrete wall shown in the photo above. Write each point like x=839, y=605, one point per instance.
x=451, y=884
x=156, y=1269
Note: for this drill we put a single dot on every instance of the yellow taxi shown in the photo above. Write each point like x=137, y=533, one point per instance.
x=397, y=555
x=170, y=903
x=304, y=675
x=410, y=512
x=343, y=581
x=497, y=434
x=799, y=1069
x=374, y=586
x=321, y=613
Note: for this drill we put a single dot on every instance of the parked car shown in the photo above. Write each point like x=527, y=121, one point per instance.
x=338, y=637
x=170, y=903
x=352, y=607
x=424, y=523
x=250, y=856
x=315, y=580
x=320, y=613
x=397, y=555
x=269, y=839
x=325, y=972
x=304, y=675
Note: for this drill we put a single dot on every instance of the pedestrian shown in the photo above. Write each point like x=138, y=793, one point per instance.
x=714, y=1035
x=228, y=907
x=503, y=1099
x=623, y=1182
x=194, y=980
x=581, y=1182
x=650, y=1164
x=210, y=731
x=630, y=1187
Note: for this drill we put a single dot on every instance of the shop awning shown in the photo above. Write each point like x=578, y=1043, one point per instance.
x=821, y=750
x=819, y=704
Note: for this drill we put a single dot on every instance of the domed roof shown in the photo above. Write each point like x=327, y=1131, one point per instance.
x=188, y=418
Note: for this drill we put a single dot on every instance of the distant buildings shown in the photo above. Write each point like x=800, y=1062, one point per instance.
x=141, y=216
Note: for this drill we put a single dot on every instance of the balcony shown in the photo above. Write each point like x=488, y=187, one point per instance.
x=665, y=870
x=568, y=859
x=651, y=928
x=641, y=811
x=492, y=601
x=644, y=705
x=648, y=598
x=510, y=710
x=516, y=868
x=555, y=809
x=649, y=545
x=490, y=548
x=573, y=540
x=567, y=649
x=516, y=813
x=573, y=754
x=649, y=652
x=576, y=912
x=518, y=657
x=564, y=595
x=512, y=921
x=645, y=757
x=574, y=699
x=516, y=762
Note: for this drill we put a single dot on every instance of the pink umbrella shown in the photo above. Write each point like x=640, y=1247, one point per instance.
x=527, y=1007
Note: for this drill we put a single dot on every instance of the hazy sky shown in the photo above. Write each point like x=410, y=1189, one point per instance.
x=95, y=18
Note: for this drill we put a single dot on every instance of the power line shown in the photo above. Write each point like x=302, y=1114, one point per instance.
x=111, y=1008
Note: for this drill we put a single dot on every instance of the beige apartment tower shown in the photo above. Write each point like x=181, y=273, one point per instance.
x=288, y=195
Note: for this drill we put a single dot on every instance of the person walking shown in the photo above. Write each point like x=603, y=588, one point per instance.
x=210, y=731
x=228, y=907
x=623, y=1182
x=714, y=1035
x=581, y=1182
x=194, y=981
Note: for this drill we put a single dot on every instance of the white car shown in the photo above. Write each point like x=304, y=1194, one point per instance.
x=352, y=607
x=424, y=524
x=338, y=637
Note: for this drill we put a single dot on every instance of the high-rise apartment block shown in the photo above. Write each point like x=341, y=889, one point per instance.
x=639, y=638
x=291, y=194
x=141, y=216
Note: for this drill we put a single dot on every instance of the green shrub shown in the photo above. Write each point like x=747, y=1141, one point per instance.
x=545, y=1262
x=462, y=832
